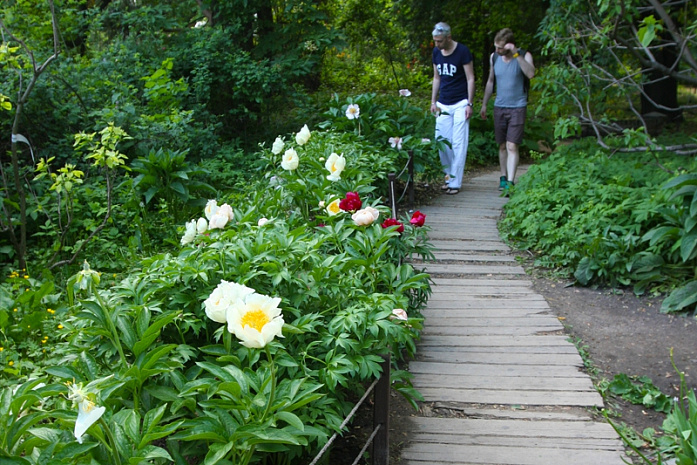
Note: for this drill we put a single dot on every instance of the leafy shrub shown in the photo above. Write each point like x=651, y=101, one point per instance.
x=606, y=218
x=154, y=378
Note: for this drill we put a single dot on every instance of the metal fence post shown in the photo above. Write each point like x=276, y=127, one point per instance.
x=393, y=197
x=381, y=415
x=411, y=181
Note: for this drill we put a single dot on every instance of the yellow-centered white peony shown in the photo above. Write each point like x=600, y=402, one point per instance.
x=334, y=208
x=335, y=164
x=255, y=320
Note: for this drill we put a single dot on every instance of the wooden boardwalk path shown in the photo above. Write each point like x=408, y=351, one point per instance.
x=502, y=383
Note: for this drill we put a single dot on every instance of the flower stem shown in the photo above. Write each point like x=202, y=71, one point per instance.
x=110, y=324
x=112, y=449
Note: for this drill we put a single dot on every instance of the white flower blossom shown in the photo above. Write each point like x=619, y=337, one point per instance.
x=353, y=111
x=190, y=233
x=290, y=160
x=303, y=136
x=277, y=146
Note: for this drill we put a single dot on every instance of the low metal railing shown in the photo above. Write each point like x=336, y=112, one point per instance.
x=408, y=187
x=379, y=438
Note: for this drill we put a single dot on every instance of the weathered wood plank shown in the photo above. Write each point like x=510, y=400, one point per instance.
x=496, y=341
x=473, y=319
x=513, y=397
x=456, y=282
x=503, y=383
x=436, y=349
x=473, y=269
x=566, y=359
x=499, y=370
x=492, y=245
x=463, y=330
x=486, y=455
x=512, y=428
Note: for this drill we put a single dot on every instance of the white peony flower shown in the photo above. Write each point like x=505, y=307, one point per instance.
x=201, y=225
x=400, y=314
x=290, y=160
x=222, y=297
x=256, y=320
x=395, y=142
x=277, y=146
x=303, y=136
x=218, y=221
x=226, y=210
x=211, y=208
x=353, y=111
x=335, y=164
x=262, y=221
x=190, y=233
x=365, y=216
x=404, y=92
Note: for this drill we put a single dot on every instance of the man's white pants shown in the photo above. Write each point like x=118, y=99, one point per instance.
x=452, y=125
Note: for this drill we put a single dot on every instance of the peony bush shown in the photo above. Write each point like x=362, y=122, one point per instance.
x=246, y=344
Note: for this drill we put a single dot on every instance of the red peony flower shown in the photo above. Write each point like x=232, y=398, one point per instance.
x=351, y=202
x=393, y=222
x=418, y=219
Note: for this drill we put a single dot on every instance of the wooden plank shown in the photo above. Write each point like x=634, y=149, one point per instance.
x=472, y=269
x=494, y=245
x=488, y=358
x=504, y=383
x=436, y=349
x=503, y=441
x=455, y=282
x=476, y=320
x=498, y=307
x=517, y=413
x=513, y=428
x=514, y=397
x=497, y=341
x=488, y=455
x=499, y=370
x=466, y=331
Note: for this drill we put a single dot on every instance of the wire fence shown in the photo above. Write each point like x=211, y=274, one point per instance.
x=379, y=438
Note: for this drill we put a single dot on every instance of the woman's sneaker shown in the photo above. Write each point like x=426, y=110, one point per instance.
x=502, y=183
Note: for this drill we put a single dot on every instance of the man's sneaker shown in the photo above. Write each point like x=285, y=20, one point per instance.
x=502, y=183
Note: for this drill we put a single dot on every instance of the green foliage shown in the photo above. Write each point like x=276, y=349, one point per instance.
x=679, y=427
x=160, y=372
x=607, y=219
x=639, y=391
x=166, y=176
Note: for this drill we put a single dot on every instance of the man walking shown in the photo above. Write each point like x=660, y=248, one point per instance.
x=511, y=69
x=451, y=102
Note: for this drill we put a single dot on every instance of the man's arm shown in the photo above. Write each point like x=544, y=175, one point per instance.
x=434, y=90
x=469, y=73
x=526, y=65
x=525, y=61
x=489, y=88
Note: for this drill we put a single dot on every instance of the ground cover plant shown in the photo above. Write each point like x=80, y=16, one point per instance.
x=613, y=220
